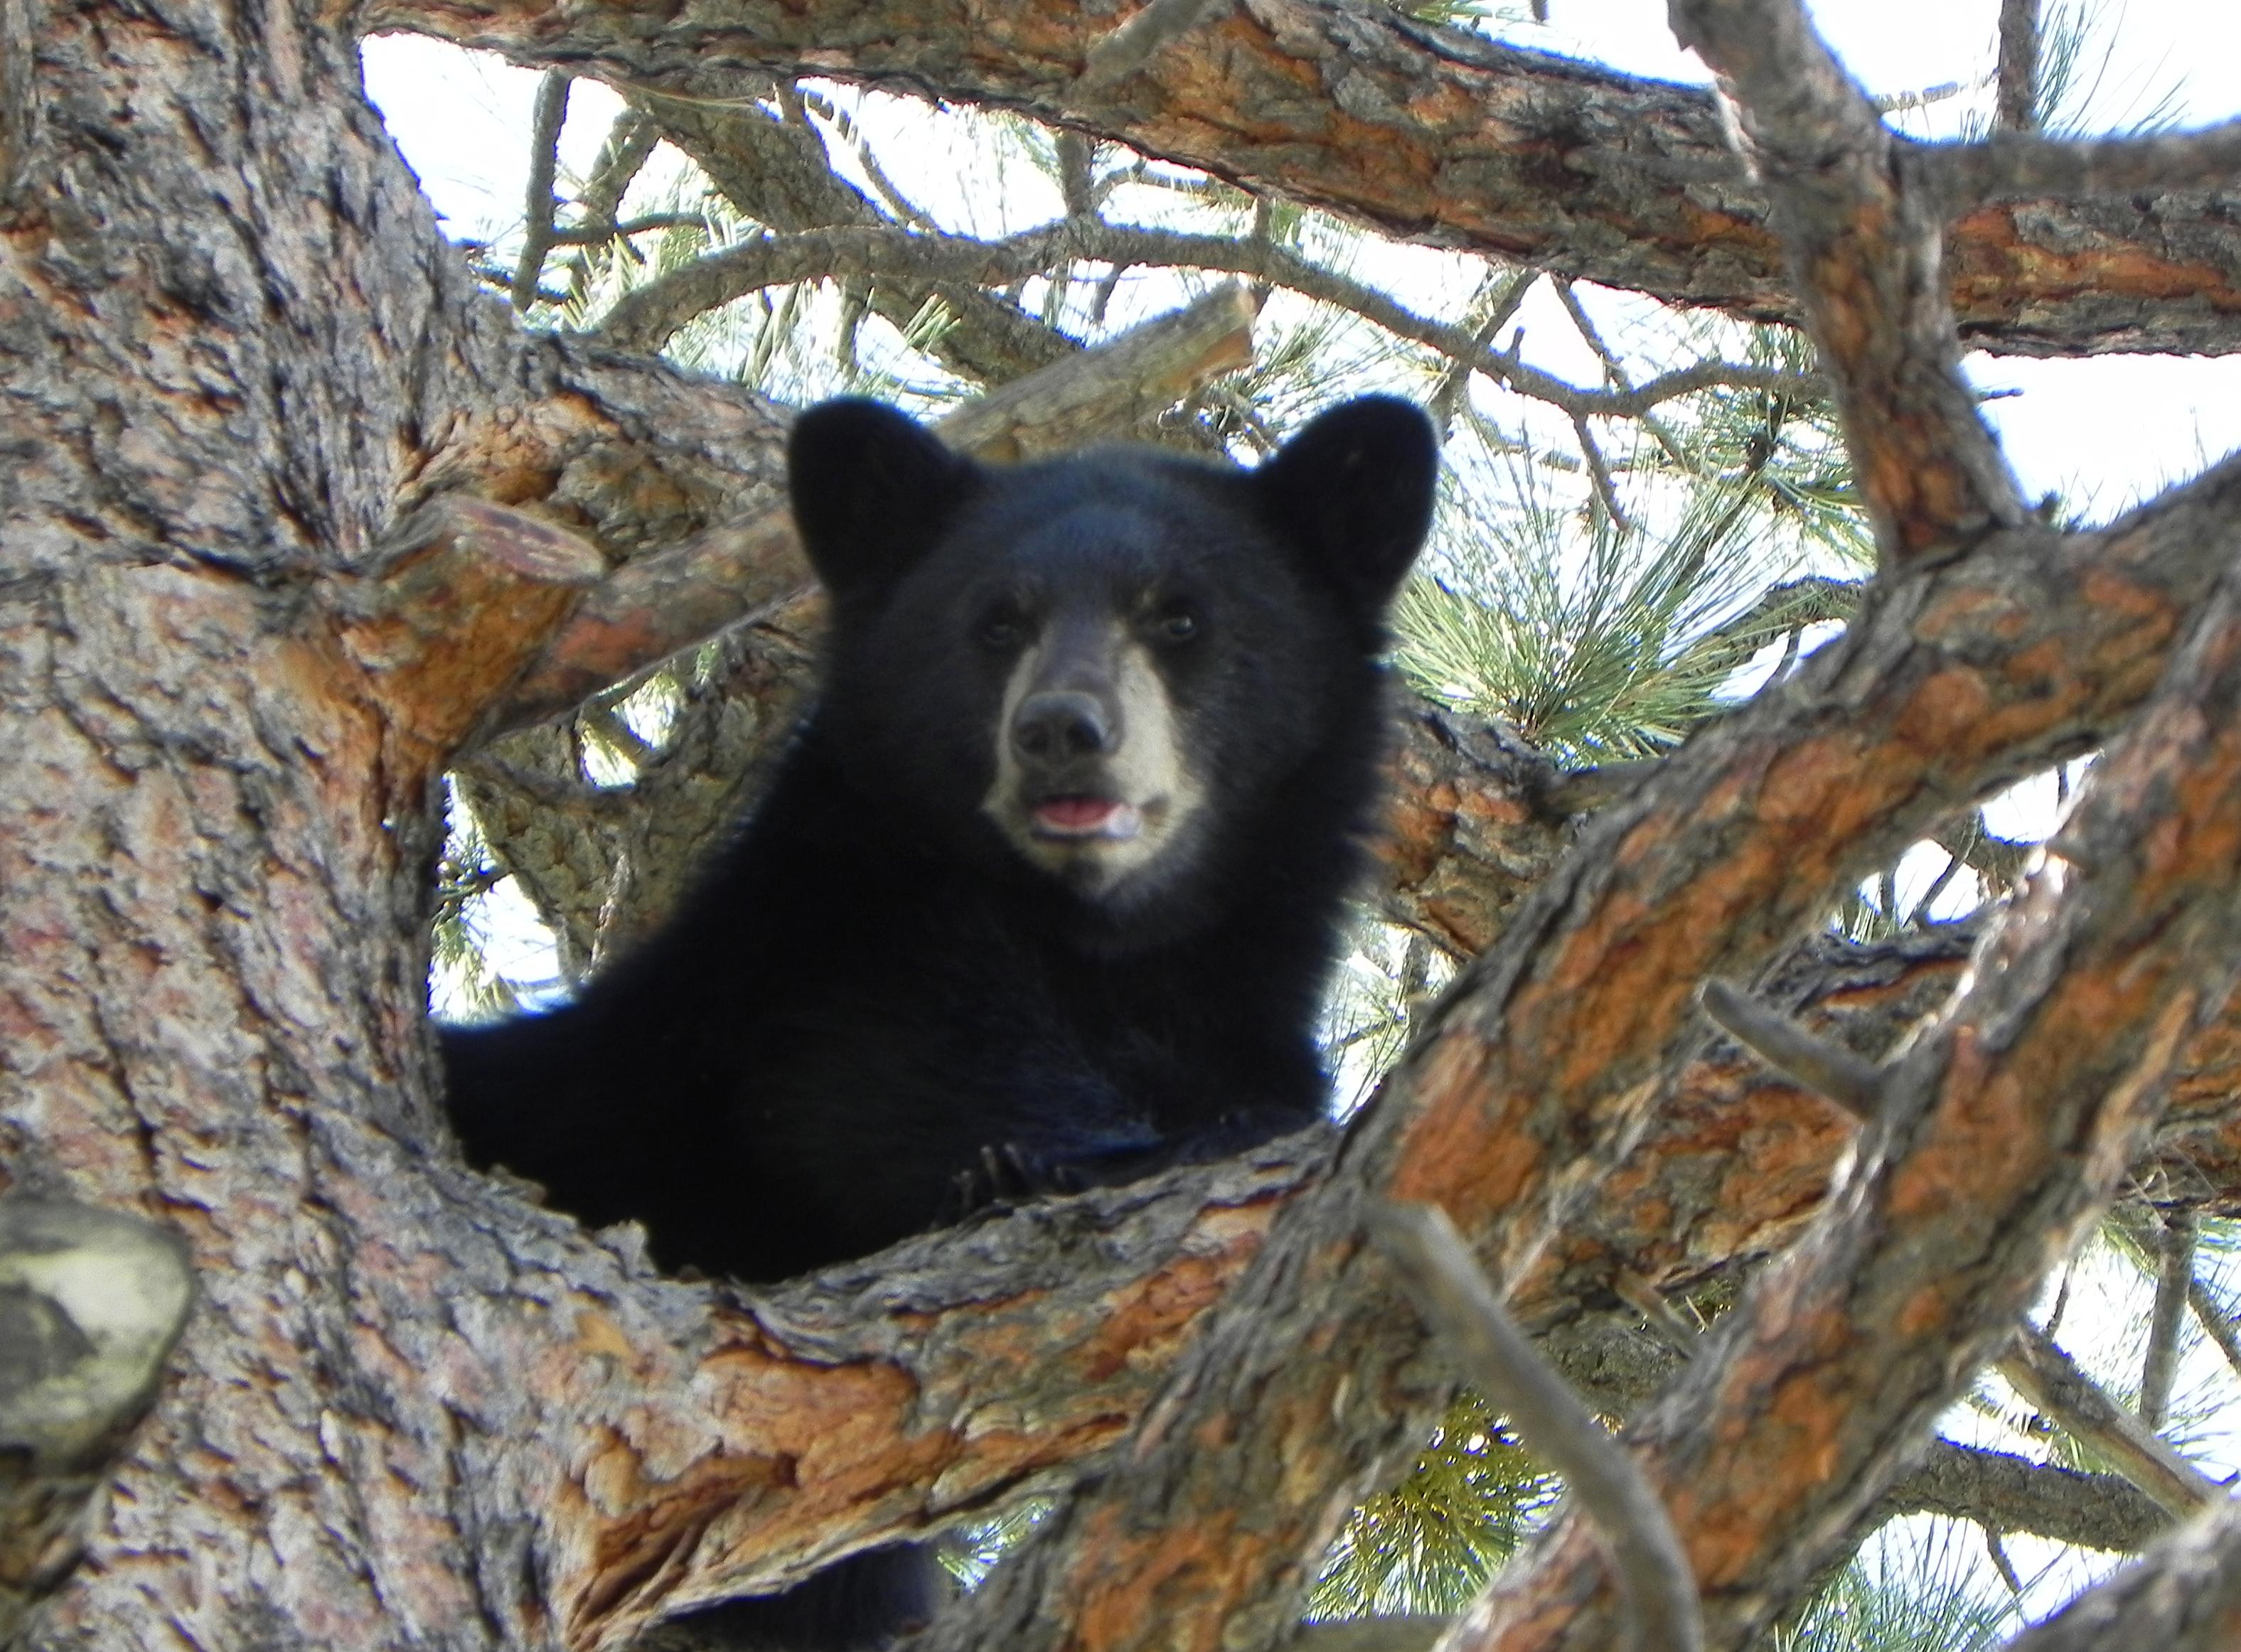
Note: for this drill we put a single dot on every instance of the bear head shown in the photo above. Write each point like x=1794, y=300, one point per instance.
x=1108, y=669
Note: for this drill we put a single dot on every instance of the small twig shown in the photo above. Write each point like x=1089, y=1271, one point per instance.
x=903, y=210
x=1614, y=370
x=2215, y=1322
x=1646, y=1300
x=1130, y=47
x=2051, y=1381
x=2001, y=1564
x=1892, y=103
x=1851, y=1081
x=1599, y=471
x=2017, y=109
x=1506, y=294
x=2054, y=1315
x=537, y=203
x=1654, y=1579
x=591, y=233
x=2174, y=1273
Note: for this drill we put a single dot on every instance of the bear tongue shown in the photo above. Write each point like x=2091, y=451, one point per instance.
x=1077, y=813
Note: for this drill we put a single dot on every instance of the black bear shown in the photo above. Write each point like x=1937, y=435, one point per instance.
x=1045, y=891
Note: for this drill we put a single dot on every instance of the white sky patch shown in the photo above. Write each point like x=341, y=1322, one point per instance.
x=461, y=119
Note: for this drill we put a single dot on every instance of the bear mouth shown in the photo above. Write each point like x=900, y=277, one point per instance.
x=1075, y=818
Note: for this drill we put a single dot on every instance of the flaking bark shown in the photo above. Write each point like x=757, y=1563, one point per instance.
x=1423, y=132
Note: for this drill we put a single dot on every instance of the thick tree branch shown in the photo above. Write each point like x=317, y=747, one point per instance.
x=1866, y=254
x=2184, y=1595
x=2018, y=167
x=1846, y=1349
x=1423, y=131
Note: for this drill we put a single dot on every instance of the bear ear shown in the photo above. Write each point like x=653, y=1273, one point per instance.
x=871, y=490
x=1356, y=489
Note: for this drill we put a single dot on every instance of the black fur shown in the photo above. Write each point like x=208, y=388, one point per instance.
x=875, y=1011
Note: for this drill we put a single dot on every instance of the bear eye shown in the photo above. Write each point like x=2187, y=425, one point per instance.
x=999, y=628
x=1176, y=622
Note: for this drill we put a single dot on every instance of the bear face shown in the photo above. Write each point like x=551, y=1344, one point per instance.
x=1094, y=645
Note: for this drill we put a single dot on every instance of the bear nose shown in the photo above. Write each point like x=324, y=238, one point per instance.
x=1059, y=725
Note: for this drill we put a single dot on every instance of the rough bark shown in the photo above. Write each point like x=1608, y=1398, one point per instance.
x=1424, y=132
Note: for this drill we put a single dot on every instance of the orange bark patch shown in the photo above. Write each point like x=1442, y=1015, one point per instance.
x=1139, y=1586
x=1146, y=1320
x=660, y=1530
x=1982, y=1141
x=1924, y=1312
x=1463, y=1150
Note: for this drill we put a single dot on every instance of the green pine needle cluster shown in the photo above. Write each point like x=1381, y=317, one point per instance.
x=1429, y=1544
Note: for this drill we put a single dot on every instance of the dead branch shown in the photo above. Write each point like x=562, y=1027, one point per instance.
x=644, y=318
x=1823, y=1067
x=91, y=1302
x=1654, y=1579
x=2050, y=1380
